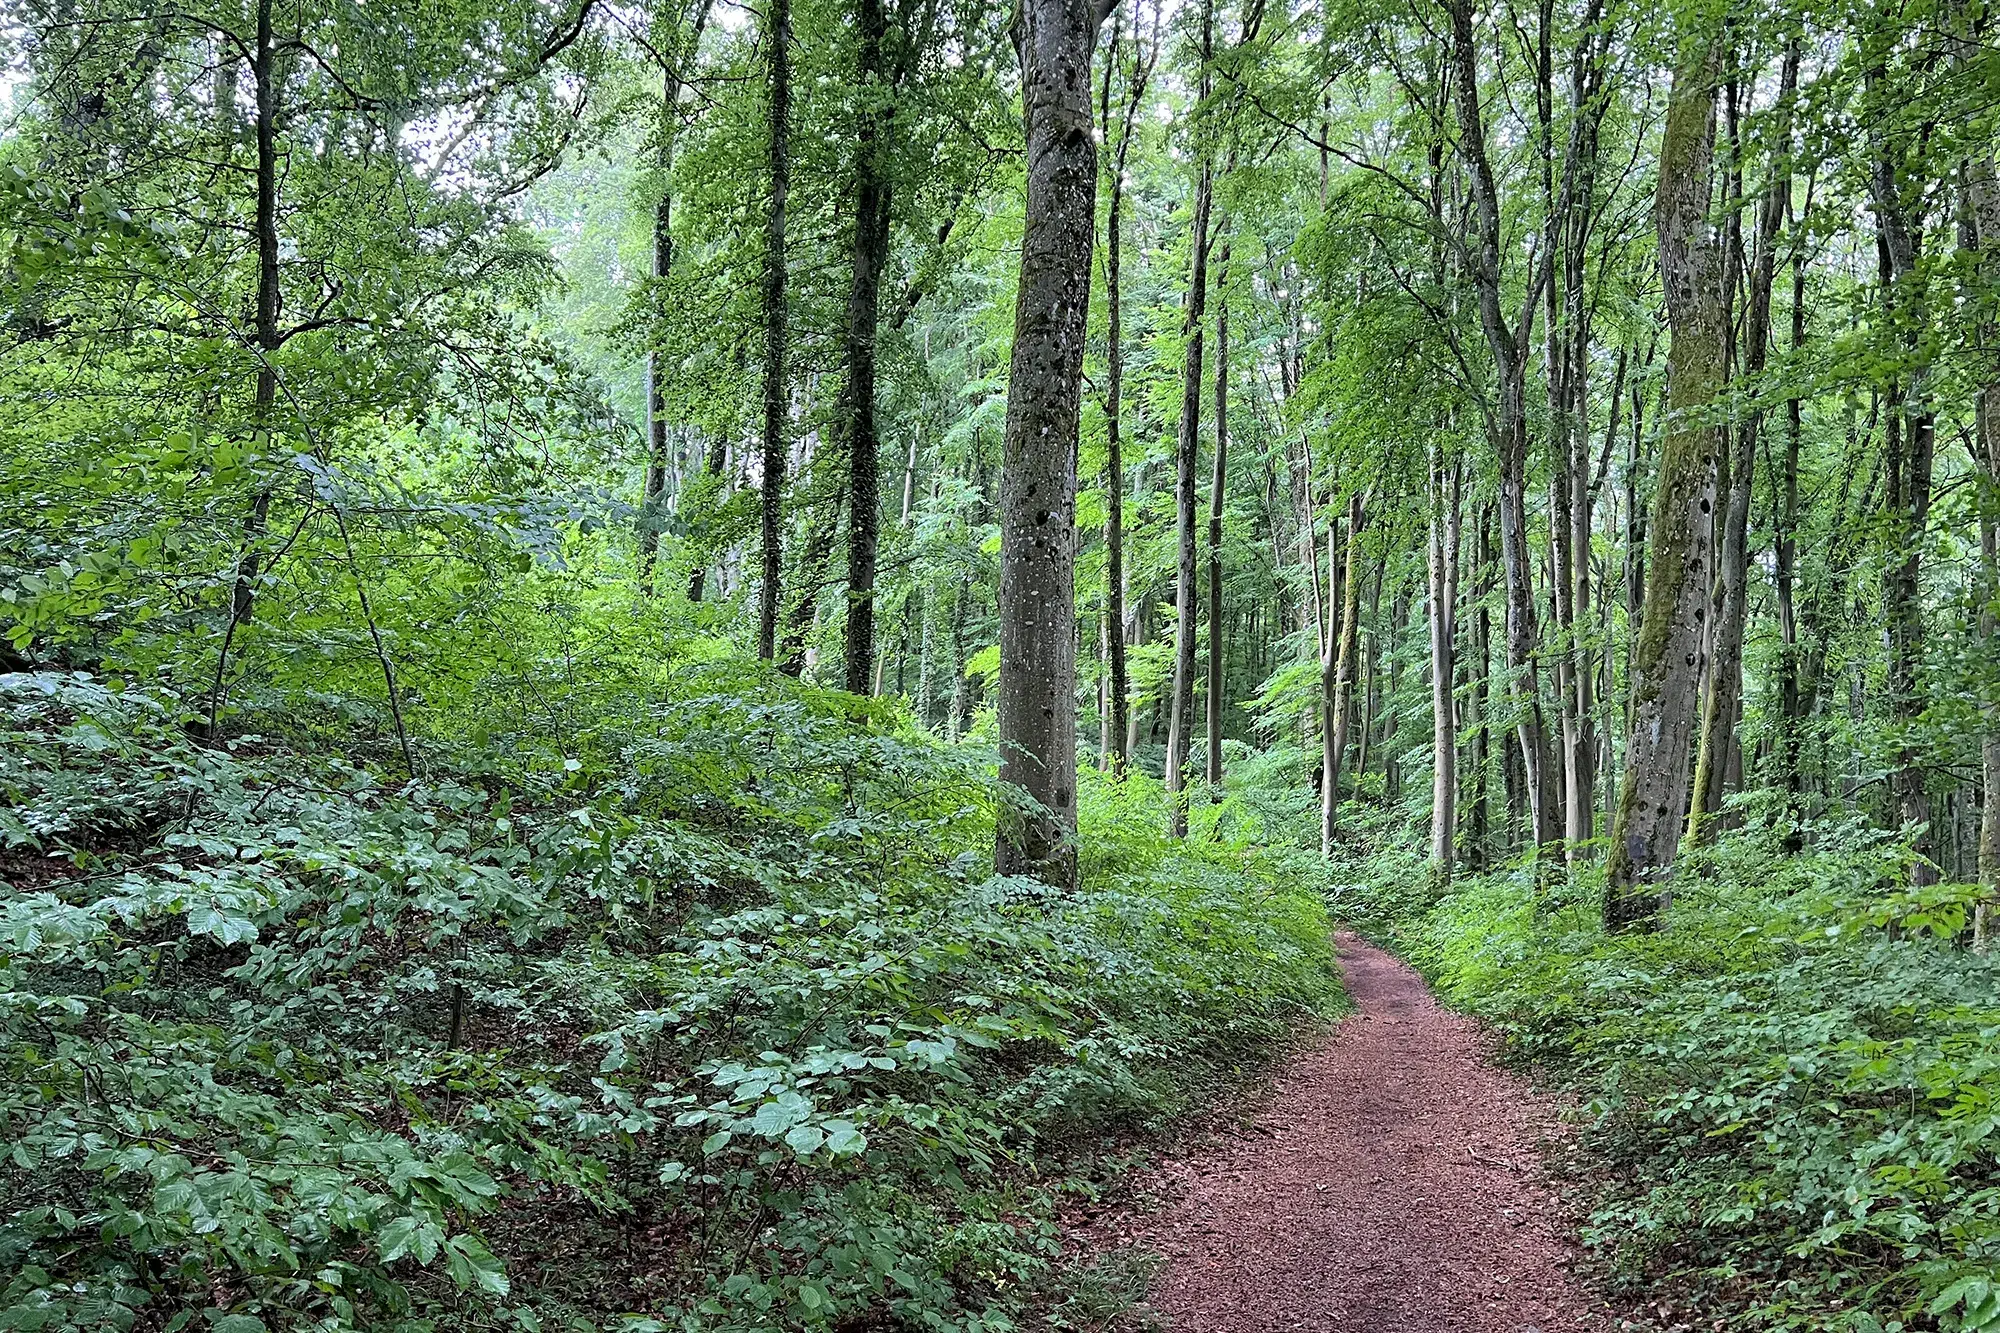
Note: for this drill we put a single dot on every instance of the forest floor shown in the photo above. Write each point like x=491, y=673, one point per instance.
x=1390, y=1181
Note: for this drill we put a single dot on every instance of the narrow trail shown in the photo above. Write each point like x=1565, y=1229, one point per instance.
x=1390, y=1184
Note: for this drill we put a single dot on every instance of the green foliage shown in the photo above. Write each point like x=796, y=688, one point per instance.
x=289, y=1045
x=1793, y=1084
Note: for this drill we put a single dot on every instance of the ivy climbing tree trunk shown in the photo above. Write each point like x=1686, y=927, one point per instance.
x=771, y=513
x=1055, y=40
x=1667, y=659
x=857, y=401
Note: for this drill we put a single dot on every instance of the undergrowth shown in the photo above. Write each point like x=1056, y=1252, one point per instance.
x=1792, y=1087
x=712, y=1017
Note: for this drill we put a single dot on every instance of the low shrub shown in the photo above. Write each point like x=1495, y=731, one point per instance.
x=1793, y=1085
x=720, y=1021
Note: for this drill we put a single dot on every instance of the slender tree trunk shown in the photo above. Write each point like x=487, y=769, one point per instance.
x=1909, y=453
x=1338, y=672
x=657, y=454
x=1442, y=553
x=1982, y=190
x=1723, y=700
x=778, y=54
x=1478, y=823
x=1037, y=704
x=960, y=706
x=1217, y=481
x=1667, y=660
x=864, y=310
x=1187, y=446
x=1508, y=344
x=1791, y=711
x=265, y=337
x=1117, y=725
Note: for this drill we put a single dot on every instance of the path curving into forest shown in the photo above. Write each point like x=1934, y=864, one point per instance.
x=1390, y=1183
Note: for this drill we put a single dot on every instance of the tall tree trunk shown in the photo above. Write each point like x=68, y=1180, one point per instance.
x=1442, y=559
x=1785, y=557
x=1982, y=188
x=778, y=54
x=1667, y=659
x=1723, y=701
x=1479, y=818
x=1337, y=670
x=1909, y=452
x=265, y=337
x=959, y=707
x=1217, y=481
x=1037, y=704
x=1117, y=725
x=864, y=309
x=1187, y=446
x=1508, y=343
x=657, y=452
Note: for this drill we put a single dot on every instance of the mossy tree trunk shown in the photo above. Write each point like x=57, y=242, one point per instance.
x=1667, y=658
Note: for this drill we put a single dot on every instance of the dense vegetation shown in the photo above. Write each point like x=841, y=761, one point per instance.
x=669, y=666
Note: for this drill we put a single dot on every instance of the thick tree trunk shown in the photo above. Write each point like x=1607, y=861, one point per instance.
x=771, y=518
x=864, y=311
x=1667, y=659
x=1037, y=704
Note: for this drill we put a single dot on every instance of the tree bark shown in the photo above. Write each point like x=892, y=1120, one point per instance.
x=1508, y=343
x=1982, y=189
x=265, y=337
x=1442, y=559
x=663, y=262
x=1216, y=660
x=1187, y=446
x=1037, y=707
x=1116, y=738
x=1667, y=659
x=1909, y=452
x=1723, y=701
x=771, y=516
x=872, y=204
x=1337, y=671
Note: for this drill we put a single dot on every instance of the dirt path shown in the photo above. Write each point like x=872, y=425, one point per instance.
x=1389, y=1185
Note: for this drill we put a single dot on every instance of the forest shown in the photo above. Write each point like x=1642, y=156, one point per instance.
x=692, y=666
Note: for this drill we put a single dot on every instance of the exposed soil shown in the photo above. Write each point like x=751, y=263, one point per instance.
x=1390, y=1183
